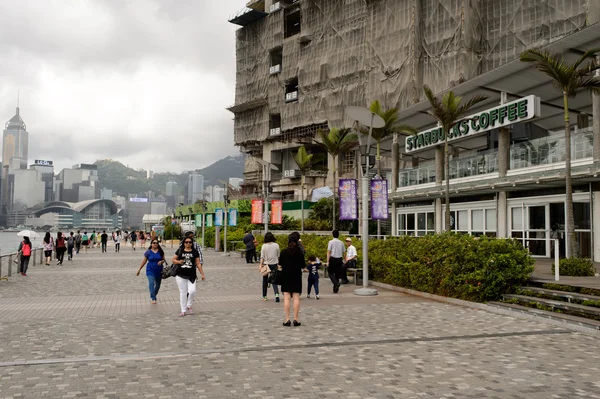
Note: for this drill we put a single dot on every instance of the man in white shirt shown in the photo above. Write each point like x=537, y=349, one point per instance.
x=350, y=260
x=335, y=259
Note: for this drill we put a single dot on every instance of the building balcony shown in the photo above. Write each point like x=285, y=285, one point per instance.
x=546, y=153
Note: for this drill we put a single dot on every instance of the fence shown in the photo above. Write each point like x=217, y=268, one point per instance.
x=8, y=261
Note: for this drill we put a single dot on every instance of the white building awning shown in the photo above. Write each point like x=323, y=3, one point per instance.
x=518, y=80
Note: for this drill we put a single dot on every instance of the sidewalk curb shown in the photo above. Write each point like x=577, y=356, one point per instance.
x=492, y=309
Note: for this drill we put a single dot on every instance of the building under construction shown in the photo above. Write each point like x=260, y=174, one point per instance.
x=301, y=63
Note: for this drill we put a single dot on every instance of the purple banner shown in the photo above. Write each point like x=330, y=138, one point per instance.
x=379, y=200
x=348, y=199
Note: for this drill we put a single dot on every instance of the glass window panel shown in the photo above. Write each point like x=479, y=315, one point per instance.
x=537, y=217
x=410, y=222
x=452, y=220
x=490, y=220
x=477, y=220
x=430, y=221
x=463, y=221
x=401, y=222
x=421, y=221
x=516, y=215
x=581, y=212
x=421, y=233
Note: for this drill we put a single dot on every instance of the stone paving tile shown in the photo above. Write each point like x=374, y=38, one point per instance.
x=87, y=330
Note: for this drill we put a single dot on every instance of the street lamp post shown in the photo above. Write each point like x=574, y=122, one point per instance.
x=203, y=222
x=372, y=120
x=225, y=203
x=267, y=167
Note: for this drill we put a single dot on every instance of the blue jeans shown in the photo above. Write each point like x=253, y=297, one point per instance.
x=153, y=285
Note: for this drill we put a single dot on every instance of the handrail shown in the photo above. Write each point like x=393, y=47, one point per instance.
x=11, y=263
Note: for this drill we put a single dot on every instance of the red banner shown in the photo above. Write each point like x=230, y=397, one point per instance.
x=257, y=211
x=276, y=212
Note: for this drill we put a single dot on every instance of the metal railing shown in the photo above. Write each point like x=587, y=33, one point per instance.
x=7, y=261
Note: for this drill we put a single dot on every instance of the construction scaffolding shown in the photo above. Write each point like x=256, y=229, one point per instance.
x=352, y=52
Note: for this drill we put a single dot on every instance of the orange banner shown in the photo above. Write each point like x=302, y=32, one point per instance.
x=257, y=211
x=276, y=212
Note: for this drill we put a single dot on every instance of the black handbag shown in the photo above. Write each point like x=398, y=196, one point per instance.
x=274, y=277
x=169, y=270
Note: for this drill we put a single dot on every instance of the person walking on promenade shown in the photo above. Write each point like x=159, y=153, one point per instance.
x=350, y=261
x=48, y=243
x=85, y=241
x=93, y=239
x=117, y=241
x=292, y=263
x=335, y=256
x=314, y=264
x=142, y=239
x=25, y=254
x=300, y=245
x=133, y=238
x=104, y=240
x=77, y=241
x=269, y=256
x=188, y=260
x=155, y=257
x=250, y=248
x=70, y=246
x=61, y=248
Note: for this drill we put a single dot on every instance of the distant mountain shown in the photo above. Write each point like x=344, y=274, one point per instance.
x=124, y=181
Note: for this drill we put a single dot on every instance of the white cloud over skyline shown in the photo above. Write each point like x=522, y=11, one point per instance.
x=144, y=82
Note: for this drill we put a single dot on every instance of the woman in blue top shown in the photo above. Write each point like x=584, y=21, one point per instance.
x=155, y=257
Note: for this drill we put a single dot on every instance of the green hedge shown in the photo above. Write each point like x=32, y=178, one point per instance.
x=575, y=267
x=451, y=265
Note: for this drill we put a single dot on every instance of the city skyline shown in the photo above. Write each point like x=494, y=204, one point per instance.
x=120, y=99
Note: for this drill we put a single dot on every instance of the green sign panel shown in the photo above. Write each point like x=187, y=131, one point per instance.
x=520, y=110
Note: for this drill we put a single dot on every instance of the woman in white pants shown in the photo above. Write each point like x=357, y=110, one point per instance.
x=188, y=260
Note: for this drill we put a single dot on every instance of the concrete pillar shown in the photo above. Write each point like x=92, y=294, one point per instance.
x=439, y=165
x=503, y=151
x=439, y=216
x=501, y=215
x=394, y=219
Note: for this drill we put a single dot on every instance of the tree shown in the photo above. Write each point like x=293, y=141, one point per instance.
x=390, y=117
x=448, y=113
x=568, y=78
x=305, y=162
x=337, y=142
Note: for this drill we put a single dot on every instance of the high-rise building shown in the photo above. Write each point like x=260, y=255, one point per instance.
x=195, y=189
x=15, y=143
x=46, y=169
x=79, y=183
x=15, y=148
x=172, y=189
x=149, y=174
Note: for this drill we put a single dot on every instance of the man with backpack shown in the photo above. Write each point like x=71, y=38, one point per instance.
x=104, y=240
x=70, y=246
x=77, y=241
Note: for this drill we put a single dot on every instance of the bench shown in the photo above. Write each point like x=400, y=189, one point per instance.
x=356, y=273
x=242, y=252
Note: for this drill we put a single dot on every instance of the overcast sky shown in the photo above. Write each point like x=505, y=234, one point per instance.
x=144, y=82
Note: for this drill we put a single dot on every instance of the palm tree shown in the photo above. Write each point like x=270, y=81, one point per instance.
x=336, y=142
x=568, y=79
x=390, y=117
x=448, y=113
x=305, y=162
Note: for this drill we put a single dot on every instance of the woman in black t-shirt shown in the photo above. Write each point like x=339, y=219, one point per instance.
x=188, y=260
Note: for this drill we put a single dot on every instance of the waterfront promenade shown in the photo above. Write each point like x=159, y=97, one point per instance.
x=87, y=329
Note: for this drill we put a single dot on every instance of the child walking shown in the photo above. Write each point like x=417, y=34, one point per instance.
x=313, y=266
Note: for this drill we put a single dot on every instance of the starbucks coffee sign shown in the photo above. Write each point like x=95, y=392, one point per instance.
x=513, y=112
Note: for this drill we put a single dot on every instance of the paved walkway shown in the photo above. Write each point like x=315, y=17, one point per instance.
x=87, y=329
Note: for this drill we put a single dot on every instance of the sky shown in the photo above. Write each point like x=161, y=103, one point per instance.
x=144, y=82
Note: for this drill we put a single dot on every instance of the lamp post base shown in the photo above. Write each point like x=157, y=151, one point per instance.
x=365, y=291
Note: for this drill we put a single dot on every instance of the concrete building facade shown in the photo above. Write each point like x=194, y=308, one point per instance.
x=300, y=64
x=195, y=188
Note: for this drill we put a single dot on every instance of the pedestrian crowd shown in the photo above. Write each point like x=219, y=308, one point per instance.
x=285, y=267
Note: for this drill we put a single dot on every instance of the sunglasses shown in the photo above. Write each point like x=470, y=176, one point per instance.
x=187, y=242
x=155, y=242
